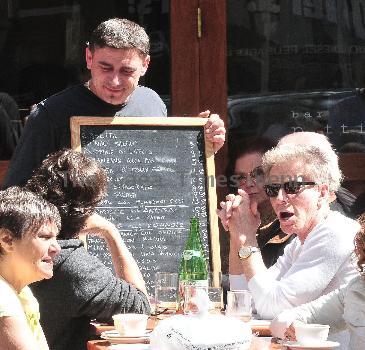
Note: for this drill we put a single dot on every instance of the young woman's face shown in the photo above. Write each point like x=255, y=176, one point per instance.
x=34, y=253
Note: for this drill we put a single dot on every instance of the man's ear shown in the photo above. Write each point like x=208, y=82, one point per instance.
x=88, y=58
x=146, y=62
x=6, y=240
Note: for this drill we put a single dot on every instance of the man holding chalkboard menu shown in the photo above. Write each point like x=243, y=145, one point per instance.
x=117, y=55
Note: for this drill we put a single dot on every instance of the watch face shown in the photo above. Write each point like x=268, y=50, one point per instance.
x=244, y=252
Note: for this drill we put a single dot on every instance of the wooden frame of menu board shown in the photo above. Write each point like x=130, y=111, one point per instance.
x=153, y=217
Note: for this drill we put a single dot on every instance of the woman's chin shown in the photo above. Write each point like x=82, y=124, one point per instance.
x=287, y=227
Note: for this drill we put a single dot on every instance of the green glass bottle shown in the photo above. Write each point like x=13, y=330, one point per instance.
x=193, y=266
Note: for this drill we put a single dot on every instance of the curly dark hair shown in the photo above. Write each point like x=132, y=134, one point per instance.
x=360, y=244
x=74, y=183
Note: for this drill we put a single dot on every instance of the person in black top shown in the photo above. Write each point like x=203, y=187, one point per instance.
x=117, y=56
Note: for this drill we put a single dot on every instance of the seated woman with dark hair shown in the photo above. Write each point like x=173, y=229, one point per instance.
x=341, y=309
x=245, y=172
x=82, y=288
x=28, y=229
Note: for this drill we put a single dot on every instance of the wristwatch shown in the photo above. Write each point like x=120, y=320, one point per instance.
x=245, y=252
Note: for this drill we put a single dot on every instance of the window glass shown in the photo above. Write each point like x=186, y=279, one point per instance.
x=297, y=65
x=292, y=63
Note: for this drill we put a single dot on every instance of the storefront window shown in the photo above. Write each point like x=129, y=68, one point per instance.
x=298, y=65
x=292, y=64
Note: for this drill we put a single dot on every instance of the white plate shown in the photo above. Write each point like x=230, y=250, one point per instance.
x=129, y=347
x=259, y=322
x=115, y=334
x=115, y=338
x=322, y=345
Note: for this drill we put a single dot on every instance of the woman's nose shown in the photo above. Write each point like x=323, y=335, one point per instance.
x=281, y=195
x=250, y=182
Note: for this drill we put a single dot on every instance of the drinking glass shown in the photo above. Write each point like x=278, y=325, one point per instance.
x=194, y=294
x=166, y=291
x=239, y=304
x=215, y=292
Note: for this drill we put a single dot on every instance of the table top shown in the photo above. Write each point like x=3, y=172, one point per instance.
x=259, y=327
x=258, y=343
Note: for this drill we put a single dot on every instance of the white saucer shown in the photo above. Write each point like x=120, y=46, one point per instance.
x=259, y=323
x=115, y=338
x=129, y=347
x=321, y=345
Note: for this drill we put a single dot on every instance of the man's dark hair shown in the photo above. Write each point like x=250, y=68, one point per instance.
x=74, y=183
x=23, y=212
x=120, y=33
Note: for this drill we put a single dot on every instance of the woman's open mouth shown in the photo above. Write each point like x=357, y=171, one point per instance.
x=285, y=215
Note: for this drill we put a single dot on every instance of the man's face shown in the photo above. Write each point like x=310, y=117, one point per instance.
x=115, y=72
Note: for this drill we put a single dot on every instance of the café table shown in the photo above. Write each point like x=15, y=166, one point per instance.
x=259, y=328
x=257, y=344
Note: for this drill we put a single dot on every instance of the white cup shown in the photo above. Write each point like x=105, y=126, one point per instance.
x=239, y=304
x=130, y=324
x=311, y=333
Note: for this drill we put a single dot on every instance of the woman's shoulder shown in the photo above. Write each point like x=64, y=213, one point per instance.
x=354, y=311
x=9, y=302
x=337, y=220
x=357, y=287
x=74, y=260
x=337, y=226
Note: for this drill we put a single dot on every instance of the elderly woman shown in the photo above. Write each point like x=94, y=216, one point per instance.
x=299, y=179
x=245, y=171
x=28, y=229
x=341, y=309
x=82, y=288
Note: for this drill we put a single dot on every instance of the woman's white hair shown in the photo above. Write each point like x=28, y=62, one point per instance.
x=320, y=164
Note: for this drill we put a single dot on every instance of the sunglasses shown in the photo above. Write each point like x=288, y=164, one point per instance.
x=256, y=173
x=290, y=187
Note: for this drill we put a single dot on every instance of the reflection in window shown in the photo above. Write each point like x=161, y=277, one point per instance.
x=297, y=65
x=294, y=45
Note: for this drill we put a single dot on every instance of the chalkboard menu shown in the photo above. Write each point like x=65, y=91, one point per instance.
x=161, y=173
